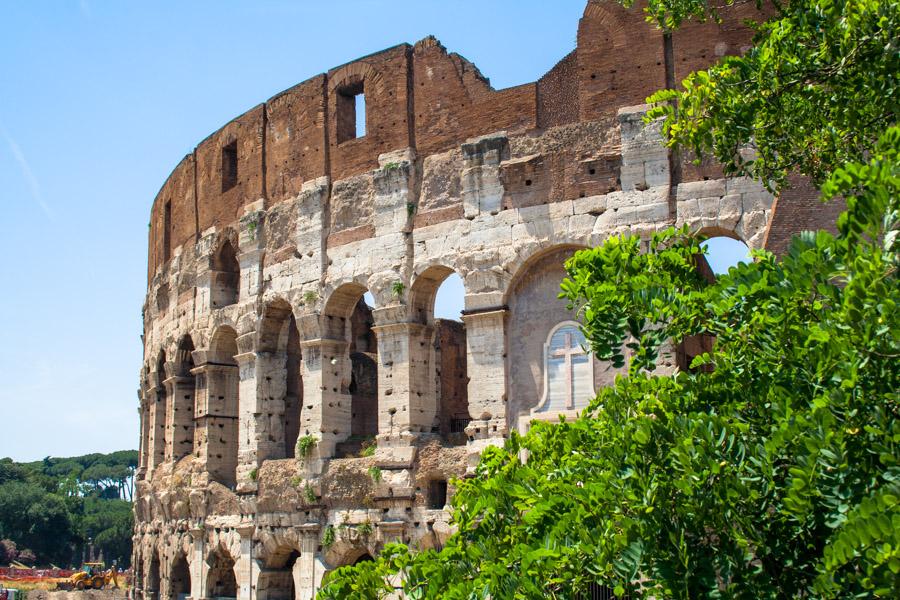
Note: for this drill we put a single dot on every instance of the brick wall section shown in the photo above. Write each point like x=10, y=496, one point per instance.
x=296, y=145
x=798, y=208
x=697, y=45
x=424, y=97
x=222, y=208
x=446, y=86
x=178, y=193
x=557, y=94
x=620, y=59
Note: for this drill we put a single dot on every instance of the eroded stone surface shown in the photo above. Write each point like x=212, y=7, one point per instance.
x=287, y=427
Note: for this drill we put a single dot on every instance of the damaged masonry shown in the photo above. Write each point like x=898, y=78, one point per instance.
x=289, y=426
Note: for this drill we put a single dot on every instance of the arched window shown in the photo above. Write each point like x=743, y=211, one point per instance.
x=568, y=370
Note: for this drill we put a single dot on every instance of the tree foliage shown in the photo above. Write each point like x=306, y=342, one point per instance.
x=772, y=471
x=51, y=509
x=816, y=90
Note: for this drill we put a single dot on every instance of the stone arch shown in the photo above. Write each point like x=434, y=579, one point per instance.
x=221, y=577
x=348, y=319
x=153, y=581
x=356, y=72
x=447, y=360
x=225, y=272
x=523, y=263
x=179, y=577
x=278, y=578
x=607, y=16
x=279, y=359
x=535, y=312
x=222, y=414
x=181, y=389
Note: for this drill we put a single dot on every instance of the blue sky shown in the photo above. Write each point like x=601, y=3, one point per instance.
x=99, y=101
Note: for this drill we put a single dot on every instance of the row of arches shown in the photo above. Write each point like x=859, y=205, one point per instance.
x=275, y=577
x=198, y=407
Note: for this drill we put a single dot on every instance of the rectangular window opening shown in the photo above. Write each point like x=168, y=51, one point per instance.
x=437, y=494
x=229, y=166
x=360, y=106
x=351, y=112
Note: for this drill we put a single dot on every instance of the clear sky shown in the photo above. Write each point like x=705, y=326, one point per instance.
x=98, y=103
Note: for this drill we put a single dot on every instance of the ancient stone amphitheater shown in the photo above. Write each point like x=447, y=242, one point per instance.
x=288, y=427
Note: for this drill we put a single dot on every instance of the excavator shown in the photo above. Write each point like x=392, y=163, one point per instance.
x=91, y=576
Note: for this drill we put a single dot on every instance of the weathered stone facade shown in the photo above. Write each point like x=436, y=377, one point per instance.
x=288, y=428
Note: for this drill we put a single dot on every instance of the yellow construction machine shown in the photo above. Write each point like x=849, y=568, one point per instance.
x=91, y=576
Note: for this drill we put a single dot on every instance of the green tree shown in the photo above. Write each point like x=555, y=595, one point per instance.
x=819, y=86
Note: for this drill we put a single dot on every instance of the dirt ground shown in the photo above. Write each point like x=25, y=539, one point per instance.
x=76, y=595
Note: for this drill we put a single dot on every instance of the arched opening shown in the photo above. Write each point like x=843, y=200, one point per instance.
x=348, y=317
x=225, y=276
x=276, y=580
x=724, y=252
x=151, y=586
x=180, y=579
x=279, y=355
x=183, y=391
x=364, y=558
x=437, y=298
x=721, y=252
x=220, y=581
x=222, y=416
x=538, y=358
x=158, y=415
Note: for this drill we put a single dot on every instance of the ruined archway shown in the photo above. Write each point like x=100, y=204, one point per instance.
x=158, y=409
x=220, y=579
x=348, y=318
x=181, y=388
x=277, y=579
x=279, y=359
x=722, y=251
x=222, y=407
x=535, y=315
x=440, y=289
x=180, y=578
x=152, y=583
x=225, y=276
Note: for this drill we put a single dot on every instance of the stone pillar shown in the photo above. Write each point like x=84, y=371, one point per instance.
x=244, y=568
x=271, y=389
x=307, y=570
x=216, y=418
x=248, y=430
x=198, y=564
x=407, y=403
x=326, y=399
x=156, y=446
x=179, y=417
x=486, y=365
x=144, y=455
x=482, y=190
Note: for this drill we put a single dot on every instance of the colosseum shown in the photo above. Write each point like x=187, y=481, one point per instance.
x=291, y=422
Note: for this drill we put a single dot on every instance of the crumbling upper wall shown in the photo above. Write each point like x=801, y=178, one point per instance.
x=423, y=98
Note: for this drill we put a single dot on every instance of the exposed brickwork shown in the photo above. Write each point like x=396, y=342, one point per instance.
x=265, y=370
x=799, y=208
